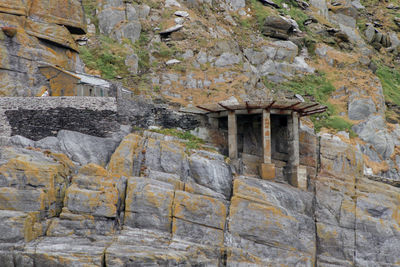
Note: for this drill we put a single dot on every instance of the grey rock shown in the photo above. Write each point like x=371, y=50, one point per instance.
x=277, y=27
x=361, y=109
x=131, y=13
x=130, y=30
x=172, y=29
x=370, y=34
x=227, y=59
x=86, y=149
x=188, y=54
x=143, y=11
x=51, y=143
x=357, y=4
x=286, y=50
x=179, y=21
x=149, y=204
x=20, y=141
x=109, y=18
x=181, y=14
x=213, y=174
x=374, y=132
x=132, y=62
x=202, y=57
x=170, y=3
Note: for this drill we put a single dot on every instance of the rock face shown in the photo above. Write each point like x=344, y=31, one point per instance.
x=41, y=28
x=156, y=203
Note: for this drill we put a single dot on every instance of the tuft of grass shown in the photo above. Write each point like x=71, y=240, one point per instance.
x=334, y=122
x=318, y=88
x=260, y=12
x=193, y=142
x=390, y=79
x=107, y=56
x=89, y=7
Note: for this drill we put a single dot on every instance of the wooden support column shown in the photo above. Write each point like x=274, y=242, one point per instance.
x=232, y=135
x=267, y=170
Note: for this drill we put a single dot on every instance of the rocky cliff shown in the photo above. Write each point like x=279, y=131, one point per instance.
x=150, y=199
x=154, y=202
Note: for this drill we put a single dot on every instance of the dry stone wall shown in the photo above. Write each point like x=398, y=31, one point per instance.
x=39, y=117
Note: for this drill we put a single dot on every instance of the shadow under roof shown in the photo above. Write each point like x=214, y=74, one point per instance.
x=254, y=107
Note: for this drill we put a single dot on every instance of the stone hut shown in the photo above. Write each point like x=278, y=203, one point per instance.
x=263, y=136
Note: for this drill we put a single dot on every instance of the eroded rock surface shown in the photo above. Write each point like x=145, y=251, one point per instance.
x=152, y=206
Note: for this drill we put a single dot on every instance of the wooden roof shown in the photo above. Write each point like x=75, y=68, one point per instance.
x=304, y=108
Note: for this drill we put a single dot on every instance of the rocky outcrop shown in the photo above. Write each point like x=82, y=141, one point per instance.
x=150, y=207
x=43, y=32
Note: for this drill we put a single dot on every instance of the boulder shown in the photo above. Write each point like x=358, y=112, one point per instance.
x=95, y=192
x=16, y=7
x=109, y=18
x=149, y=204
x=51, y=32
x=130, y=30
x=21, y=141
x=259, y=210
x=374, y=132
x=227, y=59
x=277, y=27
x=361, y=109
x=199, y=209
x=32, y=181
x=86, y=149
x=69, y=14
x=214, y=174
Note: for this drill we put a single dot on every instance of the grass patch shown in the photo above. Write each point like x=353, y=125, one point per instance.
x=390, y=79
x=334, y=122
x=317, y=88
x=193, y=142
x=89, y=7
x=107, y=56
x=140, y=48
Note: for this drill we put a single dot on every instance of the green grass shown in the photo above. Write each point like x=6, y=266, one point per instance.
x=140, y=48
x=89, y=7
x=193, y=142
x=334, y=122
x=261, y=13
x=106, y=57
x=390, y=79
x=318, y=88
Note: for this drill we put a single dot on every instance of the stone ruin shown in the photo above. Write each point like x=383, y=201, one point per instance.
x=263, y=136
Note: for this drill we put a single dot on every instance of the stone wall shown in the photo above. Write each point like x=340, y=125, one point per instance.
x=38, y=117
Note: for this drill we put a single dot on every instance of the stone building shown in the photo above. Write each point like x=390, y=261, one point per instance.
x=263, y=136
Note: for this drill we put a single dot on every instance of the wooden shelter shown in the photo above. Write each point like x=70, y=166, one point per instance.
x=276, y=123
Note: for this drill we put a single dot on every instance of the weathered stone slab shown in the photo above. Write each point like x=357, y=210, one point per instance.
x=199, y=209
x=68, y=13
x=95, y=192
x=197, y=233
x=148, y=204
x=51, y=32
x=122, y=160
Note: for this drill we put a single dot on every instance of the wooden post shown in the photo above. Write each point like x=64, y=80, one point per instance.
x=267, y=170
x=232, y=135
